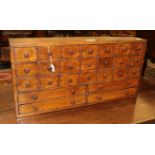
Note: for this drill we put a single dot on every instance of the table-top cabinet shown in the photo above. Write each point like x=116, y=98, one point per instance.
x=51, y=74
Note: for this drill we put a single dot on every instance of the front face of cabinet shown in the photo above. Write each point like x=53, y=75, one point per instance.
x=84, y=74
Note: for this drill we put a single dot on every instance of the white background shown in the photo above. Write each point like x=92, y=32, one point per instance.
x=77, y=139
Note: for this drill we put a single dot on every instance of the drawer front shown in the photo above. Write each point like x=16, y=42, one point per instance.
x=49, y=81
x=134, y=71
x=138, y=48
x=44, y=52
x=113, y=85
x=44, y=67
x=70, y=65
x=89, y=50
x=87, y=77
x=100, y=97
x=69, y=80
x=70, y=51
x=54, y=104
x=25, y=54
x=28, y=69
x=105, y=75
x=50, y=94
x=136, y=60
x=27, y=84
x=122, y=61
x=120, y=74
x=107, y=50
x=88, y=64
x=106, y=62
x=123, y=49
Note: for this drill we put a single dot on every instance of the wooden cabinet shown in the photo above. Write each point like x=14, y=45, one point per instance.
x=86, y=71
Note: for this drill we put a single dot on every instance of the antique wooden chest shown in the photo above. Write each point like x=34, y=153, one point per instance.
x=51, y=74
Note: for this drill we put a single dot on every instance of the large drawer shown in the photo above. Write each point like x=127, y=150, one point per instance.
x=113, y=85
x=106, y=96
x=50, y=94
x=51, y=105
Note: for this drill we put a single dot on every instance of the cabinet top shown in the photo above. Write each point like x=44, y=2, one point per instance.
x=16, y=42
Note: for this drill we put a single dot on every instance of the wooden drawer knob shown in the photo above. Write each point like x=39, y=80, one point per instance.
x=72, y=102
x=35, y=97
x=88, y=78
x=99, y=97
x=26, y=55
x=90, y=51
x=27, y=85
x=70, y=81
x=107, y=50
x=71, y=52
x=124, y=49
x=73, y=92
x=70, y=67
x=120, y=73
x=27, y=70
x=136, y=60
x=106, y=62
x=138, y=49
x=49, y=82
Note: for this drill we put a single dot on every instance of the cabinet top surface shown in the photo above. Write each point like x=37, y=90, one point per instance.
x=70, y=40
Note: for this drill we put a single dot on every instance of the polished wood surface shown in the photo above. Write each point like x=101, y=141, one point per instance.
x=124, y=111
x=92, y=60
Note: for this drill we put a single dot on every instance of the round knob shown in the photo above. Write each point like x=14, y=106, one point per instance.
x=27, y=70
x=99, y=97
x=90, y=51
x=26, y=55
x=104, y=75
x=70, y=81
x=128, y=82
x=88, y=78
x=70, y=67
x=35, y=97
x=124, y=49
x=49, y=83
x=107, y=50
x=72, y=91
x=72, y=102
x=27, y=84
x=89, y=65
x=136, y=60
x=71, y=52
x=138, y=49
x=120, y=73
x=106, y=62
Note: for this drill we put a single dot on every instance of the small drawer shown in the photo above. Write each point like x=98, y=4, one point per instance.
x=105, y=75
x=121, y=73
x=70, y=65
x=107, y=50
x=88, y=64
x=138, y=48
x=134, y=72
x=132, y=82
x=55, y=104
x=106, y=62
x=69, y=80
x=25, y=54
x=87, y=77
x=50, y=94
x=49, y=81
x=70, y=51
x=123, y=49
x=89, y=50
x=44, y=67
x=45, y=52
x=28, y=69
x=122, y=61
x=136, y=60
x=27, y=84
